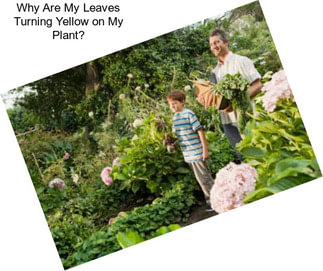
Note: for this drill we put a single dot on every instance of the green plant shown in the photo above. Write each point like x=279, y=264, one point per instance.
x=236, y=89
x=130, y=238
x=277, y=145
x=220, y=150
x=173, y=207
x=145, y=162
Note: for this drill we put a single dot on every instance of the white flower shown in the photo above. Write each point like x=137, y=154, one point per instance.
x=262, y=63
x=101, y=154
x=91, y=114
x=75, y=178
x=135, y=137
x=146, y=85
x=116, y=162
x=105, y=125
x=137, y=122
x=138, y=88
x=130, y=75
x=122, y=96
x=187, y=88
x=57, y=182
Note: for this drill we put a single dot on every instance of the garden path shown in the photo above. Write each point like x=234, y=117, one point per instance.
x=198, y=213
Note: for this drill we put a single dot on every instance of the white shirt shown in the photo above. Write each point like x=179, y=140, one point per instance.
x=233, y=64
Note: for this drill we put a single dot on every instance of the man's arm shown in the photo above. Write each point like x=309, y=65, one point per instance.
x=255, y=88
x=204, y=144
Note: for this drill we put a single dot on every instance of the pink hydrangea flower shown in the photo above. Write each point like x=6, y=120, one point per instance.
x=231, y=185
x=66, y=156
x=57, y=182
x=277, y=88
x=105, y=176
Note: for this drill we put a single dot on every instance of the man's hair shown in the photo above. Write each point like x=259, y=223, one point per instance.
x=176, y=95
x=221, y=34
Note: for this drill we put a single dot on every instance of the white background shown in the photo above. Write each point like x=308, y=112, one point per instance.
x=282, y=232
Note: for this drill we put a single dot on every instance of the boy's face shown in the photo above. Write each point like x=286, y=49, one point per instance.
x=176, y=106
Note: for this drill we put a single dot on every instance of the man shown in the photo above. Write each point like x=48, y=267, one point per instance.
x=230, y=63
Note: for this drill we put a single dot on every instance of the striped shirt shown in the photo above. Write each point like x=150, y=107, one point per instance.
x=185, y=126
x=233, y=64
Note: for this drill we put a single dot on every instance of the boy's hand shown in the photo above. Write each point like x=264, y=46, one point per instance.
x=205, y=154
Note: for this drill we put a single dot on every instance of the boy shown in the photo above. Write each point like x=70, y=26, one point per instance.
x=192, y=141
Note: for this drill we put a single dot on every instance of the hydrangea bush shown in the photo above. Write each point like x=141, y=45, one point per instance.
x=276, y=89
x=232, y=184
x=276, y=143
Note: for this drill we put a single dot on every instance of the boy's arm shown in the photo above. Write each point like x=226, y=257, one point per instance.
x=204, y=144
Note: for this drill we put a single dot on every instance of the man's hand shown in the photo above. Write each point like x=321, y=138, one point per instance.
x=228, y=109
x=255, y=88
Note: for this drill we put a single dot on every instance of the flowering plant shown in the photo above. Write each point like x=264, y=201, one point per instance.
x=57, y=182
x=276, y=89
x=66, y=156
x=232, y=184
x=105, y=176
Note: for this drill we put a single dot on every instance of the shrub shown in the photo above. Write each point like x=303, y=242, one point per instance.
x=173, y=207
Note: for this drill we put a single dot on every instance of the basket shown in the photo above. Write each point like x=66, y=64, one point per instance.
x=204, y=97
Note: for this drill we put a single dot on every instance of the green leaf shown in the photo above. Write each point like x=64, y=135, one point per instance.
x=127, y=239
x=280, y=185
x=174, y=227
x=292, y=167
x=253, y=152
x=290, y=163
x=165, y=229
x=162, y=230
x=119, y=176
x=182, y=170
x=135, y=186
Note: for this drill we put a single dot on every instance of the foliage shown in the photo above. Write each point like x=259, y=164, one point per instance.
x=173, y=207
x=209, y=119
x=220, y=151
x=277, y=145
x=236, y=89
x=49, y=97
x=145, y=162
x=21, y=119
x=69, y=231
x=130, y=238
x=163, y=62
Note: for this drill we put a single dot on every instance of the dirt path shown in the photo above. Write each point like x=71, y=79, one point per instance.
x=198, y=213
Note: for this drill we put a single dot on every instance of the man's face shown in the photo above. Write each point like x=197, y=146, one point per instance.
x=176, y=106
x=218, y=47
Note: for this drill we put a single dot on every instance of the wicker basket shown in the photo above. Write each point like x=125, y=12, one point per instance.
x=204, y=97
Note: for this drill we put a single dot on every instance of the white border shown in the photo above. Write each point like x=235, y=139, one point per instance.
x=282, y=232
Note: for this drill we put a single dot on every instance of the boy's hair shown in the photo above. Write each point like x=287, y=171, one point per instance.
x=176, y=95
x=221, y=34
